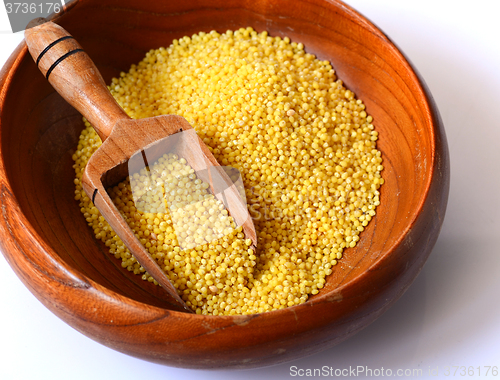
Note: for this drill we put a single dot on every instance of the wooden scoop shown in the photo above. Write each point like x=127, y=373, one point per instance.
x=74, y=76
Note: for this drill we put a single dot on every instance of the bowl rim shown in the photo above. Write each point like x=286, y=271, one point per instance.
x=69, y=275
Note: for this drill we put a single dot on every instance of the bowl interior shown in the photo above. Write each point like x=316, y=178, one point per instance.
x=40, y=131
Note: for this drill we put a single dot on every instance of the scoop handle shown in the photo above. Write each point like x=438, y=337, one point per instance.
x=73, y=75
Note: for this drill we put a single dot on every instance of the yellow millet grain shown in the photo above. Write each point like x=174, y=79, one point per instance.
x=304, y=145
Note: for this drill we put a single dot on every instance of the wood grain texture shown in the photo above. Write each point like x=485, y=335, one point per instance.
x=53, y=252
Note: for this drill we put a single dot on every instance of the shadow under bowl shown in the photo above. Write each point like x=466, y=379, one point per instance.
x=52, y=250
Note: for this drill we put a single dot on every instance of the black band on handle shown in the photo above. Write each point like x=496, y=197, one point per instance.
x=50, y=46
x=93, y=195
x=60, y=60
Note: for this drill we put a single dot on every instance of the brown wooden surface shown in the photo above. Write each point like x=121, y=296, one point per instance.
x=53, y=252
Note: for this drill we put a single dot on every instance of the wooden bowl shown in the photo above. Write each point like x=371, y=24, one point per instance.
x=52, y=250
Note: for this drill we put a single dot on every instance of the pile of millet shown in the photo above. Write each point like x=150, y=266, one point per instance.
x=305, y=148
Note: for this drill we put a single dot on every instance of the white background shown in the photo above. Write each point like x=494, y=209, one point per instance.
x=449, y=316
